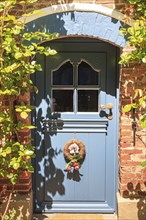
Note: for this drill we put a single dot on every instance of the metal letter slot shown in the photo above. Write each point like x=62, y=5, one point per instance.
x=51, y=125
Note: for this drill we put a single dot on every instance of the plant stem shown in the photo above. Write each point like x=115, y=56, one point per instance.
x=8, y=203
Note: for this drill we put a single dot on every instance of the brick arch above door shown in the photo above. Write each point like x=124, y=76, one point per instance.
x=90, y=21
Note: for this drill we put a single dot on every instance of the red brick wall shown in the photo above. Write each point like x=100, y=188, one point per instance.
x=118, y=4
x=25, y=181
x=131, y=175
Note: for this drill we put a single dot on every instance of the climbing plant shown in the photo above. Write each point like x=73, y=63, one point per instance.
x=18, y=49
x=136, y=36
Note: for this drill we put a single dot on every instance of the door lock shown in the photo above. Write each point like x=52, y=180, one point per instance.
x=109, y=106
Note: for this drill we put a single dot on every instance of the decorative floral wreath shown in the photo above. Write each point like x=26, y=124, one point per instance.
x=74, y=153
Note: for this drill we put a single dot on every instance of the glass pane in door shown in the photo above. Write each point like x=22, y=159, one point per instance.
x=87, y=75
x=63, y=75
x=88, y=101
x=62, y=101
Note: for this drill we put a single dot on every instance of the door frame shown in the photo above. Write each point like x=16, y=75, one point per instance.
x=116, y=138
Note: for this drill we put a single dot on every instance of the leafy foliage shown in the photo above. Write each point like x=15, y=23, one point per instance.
x=139, y=103
x=136, y=34
x=17, y=61
x=11, y=215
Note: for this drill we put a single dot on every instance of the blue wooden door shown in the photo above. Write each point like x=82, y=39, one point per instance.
x=75, y=88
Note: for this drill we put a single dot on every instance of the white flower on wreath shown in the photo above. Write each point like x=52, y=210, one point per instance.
x=74, y=148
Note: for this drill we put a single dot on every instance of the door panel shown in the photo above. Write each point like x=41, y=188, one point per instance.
x=72, y=85
x=95, y=157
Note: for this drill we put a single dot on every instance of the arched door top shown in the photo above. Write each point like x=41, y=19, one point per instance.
x=88, y=20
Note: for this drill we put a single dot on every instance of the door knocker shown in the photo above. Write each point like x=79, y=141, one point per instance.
x=74, y=153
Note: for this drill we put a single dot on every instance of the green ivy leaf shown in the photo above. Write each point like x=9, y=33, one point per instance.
x=4, y=154
x=52, y=52
x=9, y=175
x=23, y=115
x=13, y=180
x=38, y=67
x=144, y=59
x=27, y=110
x=142, y=102
x=8, y=150
x=28, y=152
x=143, y=121
x=133, y=1
x=30, y=169
x=28, y=53
x=127, y=108
x=18, y=55
x=134, y=105
x=16, y=166
x=16, y=144
x=143, y=164
x=18, y=110
x=29, y=126
x=17, y=30
x=2, y=173
x=10, y=17
x=1, y=119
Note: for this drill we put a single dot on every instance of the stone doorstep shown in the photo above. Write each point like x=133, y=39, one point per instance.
x=128, y=209
x=131, y=209
x=64, y=216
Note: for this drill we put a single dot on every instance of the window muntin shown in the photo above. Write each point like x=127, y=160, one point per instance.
x=75, y=88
